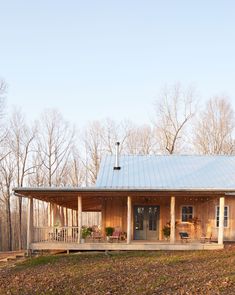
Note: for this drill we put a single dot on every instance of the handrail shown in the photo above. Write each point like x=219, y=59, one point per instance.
x=55, y=234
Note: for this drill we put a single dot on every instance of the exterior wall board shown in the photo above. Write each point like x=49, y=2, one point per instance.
x=115, y=214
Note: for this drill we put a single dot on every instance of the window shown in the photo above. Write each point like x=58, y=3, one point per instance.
x=225, y=216
x=139, y=218
x=153, y=211
x=187, y=213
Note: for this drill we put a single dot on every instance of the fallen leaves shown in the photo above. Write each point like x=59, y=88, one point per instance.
x=196, y=272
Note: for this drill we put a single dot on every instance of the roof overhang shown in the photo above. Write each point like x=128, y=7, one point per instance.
x=50, y=194
x=82, y=190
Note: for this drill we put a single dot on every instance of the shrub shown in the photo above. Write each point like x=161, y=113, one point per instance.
x=86, y=232
x=166, y=230
x=109, y=231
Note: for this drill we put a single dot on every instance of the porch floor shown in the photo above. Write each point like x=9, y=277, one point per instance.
x=134, y=245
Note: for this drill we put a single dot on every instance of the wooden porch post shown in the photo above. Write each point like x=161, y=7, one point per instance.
x=79, y=218
x=172, y=236
x=221, y=221
x=49, y=214
x=76, y=219
x=29, y=223
x=72, y=214
x=52, y=206
x=62, y=216
x=129, y=213
x=103, y=216
x=66, y=217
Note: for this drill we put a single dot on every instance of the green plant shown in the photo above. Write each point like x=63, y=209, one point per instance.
x=86, y=232
x=167, y=230
x=109, y=231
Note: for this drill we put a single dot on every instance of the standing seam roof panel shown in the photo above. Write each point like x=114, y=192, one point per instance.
x=175, y=171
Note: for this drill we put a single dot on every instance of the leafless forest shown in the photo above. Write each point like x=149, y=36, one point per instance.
x=52, y=152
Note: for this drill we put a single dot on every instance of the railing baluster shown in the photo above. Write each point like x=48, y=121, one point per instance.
x=55, y=234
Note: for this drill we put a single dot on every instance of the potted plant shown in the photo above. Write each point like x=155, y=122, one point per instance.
x=167, y=231
x=86, y=232
x=109, y=231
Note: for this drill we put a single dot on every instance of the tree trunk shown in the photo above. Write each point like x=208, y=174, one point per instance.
x=9, y=225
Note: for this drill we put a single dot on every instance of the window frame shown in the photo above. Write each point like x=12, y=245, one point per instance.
x=181, y=213
x=217, y=206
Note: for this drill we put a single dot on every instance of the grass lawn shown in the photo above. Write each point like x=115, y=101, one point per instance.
x=194, y=272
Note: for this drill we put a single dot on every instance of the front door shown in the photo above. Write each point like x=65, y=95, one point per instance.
x=146, y=222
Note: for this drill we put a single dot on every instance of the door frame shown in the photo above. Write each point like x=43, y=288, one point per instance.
x=145, y=220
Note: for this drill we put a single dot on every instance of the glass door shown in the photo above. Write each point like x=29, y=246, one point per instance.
x=146, y=222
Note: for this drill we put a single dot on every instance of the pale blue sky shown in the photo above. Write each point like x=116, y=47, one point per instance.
x=97, y=59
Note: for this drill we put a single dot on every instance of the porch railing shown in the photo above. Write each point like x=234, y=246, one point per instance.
x=68, y=234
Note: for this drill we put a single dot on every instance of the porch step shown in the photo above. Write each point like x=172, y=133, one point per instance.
x=8, y=256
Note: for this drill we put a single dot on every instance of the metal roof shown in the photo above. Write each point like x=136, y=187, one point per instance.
x=168, y=172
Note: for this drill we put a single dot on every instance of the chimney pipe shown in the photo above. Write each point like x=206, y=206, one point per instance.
x=117, y=167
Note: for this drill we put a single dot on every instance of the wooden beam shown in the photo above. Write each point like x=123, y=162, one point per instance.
x=172, y=236
x=49, y=214
x=62, y=216
x=129, y=213
x=103, y=216
x=69, y=198
x=72, y=218
x=29, y=224
x=66, y=217
x=52, y=206
x=79, y=218
x=221, y=221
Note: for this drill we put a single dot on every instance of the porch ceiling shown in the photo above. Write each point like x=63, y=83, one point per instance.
x=93, y=197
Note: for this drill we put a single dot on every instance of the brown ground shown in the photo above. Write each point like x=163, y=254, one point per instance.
x=198, y=272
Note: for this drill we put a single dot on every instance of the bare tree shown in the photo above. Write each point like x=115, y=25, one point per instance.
x=3, y=154
x=55, y=139
x=111, y=132
x=99, y=139
x=3, y=90
x=38, y=177
x=3, y=125
x=93, y=150
x=214, y=128
x=74, y=174
x=20, y=140
x=6, y=183
x=139, y=139
x=174, y=109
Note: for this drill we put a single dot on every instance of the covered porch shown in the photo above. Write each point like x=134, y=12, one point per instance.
x=140, y=214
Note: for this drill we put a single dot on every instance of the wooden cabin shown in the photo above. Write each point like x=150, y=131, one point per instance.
x=144, y=197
